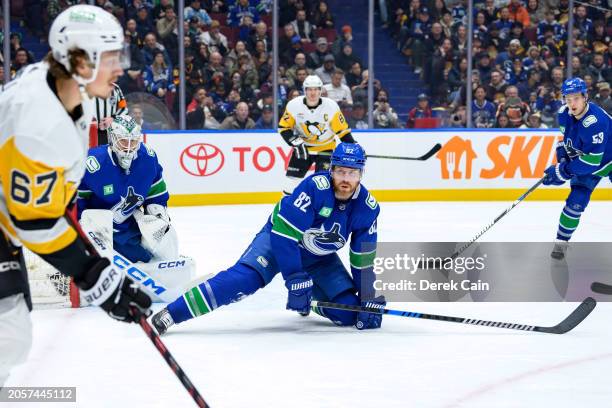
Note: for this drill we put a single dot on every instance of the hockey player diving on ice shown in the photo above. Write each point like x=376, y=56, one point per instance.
x=584, y=156
x=300, y=240
x=126, y=178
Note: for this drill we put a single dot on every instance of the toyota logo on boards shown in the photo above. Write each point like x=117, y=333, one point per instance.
x=202, y=159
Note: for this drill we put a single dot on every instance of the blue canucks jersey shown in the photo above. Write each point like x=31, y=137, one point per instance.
x=106, y=185
x=312, y=223
x=586, y=140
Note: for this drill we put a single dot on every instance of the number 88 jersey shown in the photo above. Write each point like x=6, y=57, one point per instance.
x=43, y=151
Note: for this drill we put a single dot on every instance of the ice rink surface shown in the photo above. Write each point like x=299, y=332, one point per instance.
x=256, y=354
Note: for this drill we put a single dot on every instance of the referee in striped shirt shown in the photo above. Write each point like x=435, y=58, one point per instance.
x=107, y=109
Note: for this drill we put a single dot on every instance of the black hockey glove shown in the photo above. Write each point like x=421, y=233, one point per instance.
x=300, y=152
x=105, y=286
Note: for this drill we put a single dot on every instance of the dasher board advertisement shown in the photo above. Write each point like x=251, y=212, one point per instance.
x=218, y=167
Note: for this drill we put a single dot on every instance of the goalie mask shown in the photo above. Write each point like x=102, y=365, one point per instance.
x=125, y=136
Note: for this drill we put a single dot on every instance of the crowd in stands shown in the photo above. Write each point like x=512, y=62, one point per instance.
x=520, y=52
x=517, y=70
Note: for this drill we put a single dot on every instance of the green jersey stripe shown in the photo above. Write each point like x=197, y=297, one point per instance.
x=157, y=189
x=593, y=159
x=361, y=260
x=604, y=171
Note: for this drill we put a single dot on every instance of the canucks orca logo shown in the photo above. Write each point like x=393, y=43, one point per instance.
x=571, y=150
x=321, y=242
x=124, y=208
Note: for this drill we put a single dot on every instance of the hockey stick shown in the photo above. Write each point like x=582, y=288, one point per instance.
x=571, y=321
x=499, y=217
x=603, y=288
x=176, y=368
x=424, y=157
x=146, y=327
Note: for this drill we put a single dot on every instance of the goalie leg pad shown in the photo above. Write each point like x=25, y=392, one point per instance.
x=133, y=250
x=167, y=248
x=172, y=273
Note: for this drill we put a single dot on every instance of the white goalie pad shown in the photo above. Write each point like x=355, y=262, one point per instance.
x=158, y=236
x=101, y=222
x=174, y=273
x=163, y=280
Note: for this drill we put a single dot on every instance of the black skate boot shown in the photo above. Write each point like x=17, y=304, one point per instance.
x=559, y=250
x=162, y=321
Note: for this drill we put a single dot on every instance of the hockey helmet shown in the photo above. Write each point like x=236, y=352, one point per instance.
x=312, y=81
x=125, y=136
x=89, y=28
x=573, y=85
x=349, y=155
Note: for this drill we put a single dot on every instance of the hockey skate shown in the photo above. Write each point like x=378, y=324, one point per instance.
x=559, y=250
x=162, y=321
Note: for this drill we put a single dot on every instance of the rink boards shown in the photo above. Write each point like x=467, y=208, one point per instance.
x=247, y=167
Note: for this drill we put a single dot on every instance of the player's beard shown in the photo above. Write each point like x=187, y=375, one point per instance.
x=344, y=189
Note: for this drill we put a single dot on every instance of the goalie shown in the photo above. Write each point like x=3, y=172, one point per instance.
x=126, y=178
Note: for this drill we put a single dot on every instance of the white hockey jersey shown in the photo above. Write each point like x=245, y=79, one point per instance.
x=42, y=160
x=319, y=126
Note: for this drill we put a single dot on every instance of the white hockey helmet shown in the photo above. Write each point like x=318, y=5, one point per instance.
x=124, y=137
x=89, y=28
x=312, y=81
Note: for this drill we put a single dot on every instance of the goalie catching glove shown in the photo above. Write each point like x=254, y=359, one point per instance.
x=158, y=235
x=105, y=286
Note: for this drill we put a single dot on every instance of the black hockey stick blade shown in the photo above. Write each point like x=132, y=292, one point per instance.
x=574, y=319
x=424, y=157
x=603, y=288
x=430, y=153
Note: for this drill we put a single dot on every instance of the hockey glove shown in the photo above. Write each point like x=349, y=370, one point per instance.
x=300, y=292
x=557, y=174
x=159, y=211
x=562, y=155
x=105, y=286
x=300, y=152
x=367, y=320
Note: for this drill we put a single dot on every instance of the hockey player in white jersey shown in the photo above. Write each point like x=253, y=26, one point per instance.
x=45, y=116
x=310, y=125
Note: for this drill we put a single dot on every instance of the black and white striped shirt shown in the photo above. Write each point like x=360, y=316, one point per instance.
x=112, y=106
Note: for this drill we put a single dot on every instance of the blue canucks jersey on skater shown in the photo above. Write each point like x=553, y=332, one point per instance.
x=586, y=140
x=123, y=177
x=584, y=157
x=300, y=239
